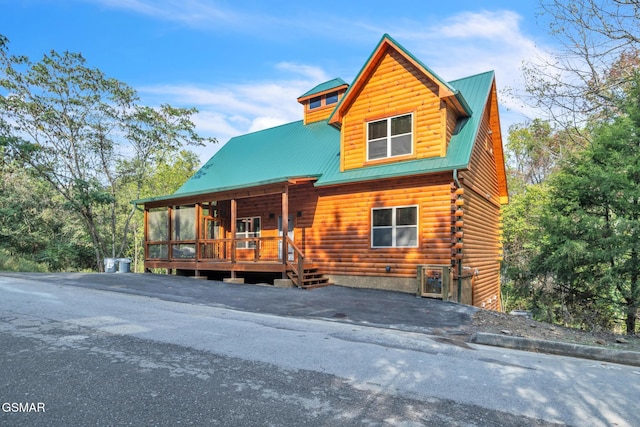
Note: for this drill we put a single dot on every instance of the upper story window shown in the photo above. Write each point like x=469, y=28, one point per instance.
x=323, y=100
x=331, y=98
x=390, y=137
x=315, y=102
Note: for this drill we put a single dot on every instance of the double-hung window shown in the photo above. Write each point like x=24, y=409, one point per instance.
x=247, y=228
x=394, y=227
x=390, y=137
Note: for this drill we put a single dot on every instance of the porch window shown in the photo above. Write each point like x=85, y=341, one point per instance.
x=183, y=223
x=183, y=228
x=158, y=223
x=158, y=231
x=394, y=227
x=390, y=137
x=247, y=228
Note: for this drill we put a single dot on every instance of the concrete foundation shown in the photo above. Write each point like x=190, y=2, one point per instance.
x=239, y=280
x=283, y=283
x=401, y=284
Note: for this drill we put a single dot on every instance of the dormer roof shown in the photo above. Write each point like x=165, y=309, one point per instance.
x=329, y=86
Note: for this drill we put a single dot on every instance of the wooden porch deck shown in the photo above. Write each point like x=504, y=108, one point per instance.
x=254, y=254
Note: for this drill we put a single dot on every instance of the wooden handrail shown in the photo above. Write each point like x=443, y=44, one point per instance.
x=299, y=268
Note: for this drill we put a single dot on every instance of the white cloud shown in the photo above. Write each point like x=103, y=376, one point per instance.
x=474, y=42
x=191, y=12
x=311, y=72
x=486, y=25
x=233, y=109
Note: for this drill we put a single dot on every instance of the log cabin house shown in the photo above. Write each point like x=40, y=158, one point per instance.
x=395, y=181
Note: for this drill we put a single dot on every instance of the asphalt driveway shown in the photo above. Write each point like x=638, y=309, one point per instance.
x=378, y=308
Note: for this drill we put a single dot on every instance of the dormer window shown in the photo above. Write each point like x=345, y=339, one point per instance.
x=320, y=101
x=331, y=98
x=324, y=100
x=390, y=137
x=315, y=102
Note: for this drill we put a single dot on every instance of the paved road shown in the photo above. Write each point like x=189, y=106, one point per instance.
x=96, y=357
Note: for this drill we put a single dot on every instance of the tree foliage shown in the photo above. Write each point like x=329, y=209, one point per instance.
x=592, y=224
x=86, y=136
x=598, y=44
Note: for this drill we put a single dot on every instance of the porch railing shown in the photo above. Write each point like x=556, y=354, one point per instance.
x=266, y=249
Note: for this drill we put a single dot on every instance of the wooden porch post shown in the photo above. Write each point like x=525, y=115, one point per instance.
x=232, y=226
x=145, y=234
x=198, y=214
x=170, y=248
x=285, y=227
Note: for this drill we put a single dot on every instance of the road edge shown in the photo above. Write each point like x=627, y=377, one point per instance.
x=622, y=357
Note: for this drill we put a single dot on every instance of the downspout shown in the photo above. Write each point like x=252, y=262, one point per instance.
x=457, y=181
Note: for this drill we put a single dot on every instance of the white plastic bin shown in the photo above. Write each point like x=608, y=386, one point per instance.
x=110, y=265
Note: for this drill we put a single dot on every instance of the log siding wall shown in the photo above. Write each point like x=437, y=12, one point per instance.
x=395, y=87
x=317, y=114
x=333, y=225
x=339, y=240
x=482, y=220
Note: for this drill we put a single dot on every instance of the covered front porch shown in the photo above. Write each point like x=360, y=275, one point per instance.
x=226, y=232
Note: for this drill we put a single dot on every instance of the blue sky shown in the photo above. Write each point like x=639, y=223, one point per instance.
x=243, y=63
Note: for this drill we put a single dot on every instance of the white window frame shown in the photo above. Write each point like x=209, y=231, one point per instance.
x=388, y=137
x=394, y=227
x=247, y=234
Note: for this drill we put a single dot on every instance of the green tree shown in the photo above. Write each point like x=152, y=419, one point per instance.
x=167, y=176
x=31, y=227
x=73, y=127
x=533, y=152
x=522, y=233
x=592, y=240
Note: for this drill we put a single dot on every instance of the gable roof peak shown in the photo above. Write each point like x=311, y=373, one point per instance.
x=447, y=91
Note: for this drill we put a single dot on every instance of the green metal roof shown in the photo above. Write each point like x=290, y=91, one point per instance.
x=331, y=84
x=296, y=150
x=268, y=156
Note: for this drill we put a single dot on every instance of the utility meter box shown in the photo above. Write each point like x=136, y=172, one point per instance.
x=434, y=281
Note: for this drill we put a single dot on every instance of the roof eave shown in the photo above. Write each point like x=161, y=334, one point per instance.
x=192, y=194
x=324, y=92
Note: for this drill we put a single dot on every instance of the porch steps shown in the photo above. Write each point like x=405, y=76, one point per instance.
x=311, y=278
